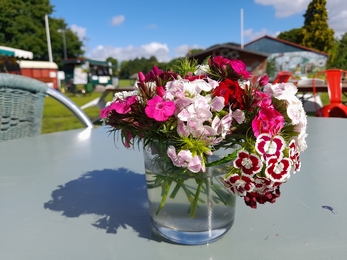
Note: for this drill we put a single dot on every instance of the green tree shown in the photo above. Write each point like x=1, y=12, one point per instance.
x=23, y=26
x=340, y=54
x=294, y=35
x=316, y=32
x=134, y=66
x=114, y=66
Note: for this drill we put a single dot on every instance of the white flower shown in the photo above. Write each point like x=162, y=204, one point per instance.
x=281, y=91
x=202, y=70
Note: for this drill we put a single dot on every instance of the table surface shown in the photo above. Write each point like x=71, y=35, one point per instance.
x=78, y=195
x=319, y=88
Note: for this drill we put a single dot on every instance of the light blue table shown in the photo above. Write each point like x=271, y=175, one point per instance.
x=74, y=195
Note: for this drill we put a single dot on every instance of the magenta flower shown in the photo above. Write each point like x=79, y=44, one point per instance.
x=268, y=121
x=123, y=106
x=240, y=68
x=263, y=80
x=104, y=112
x=160, y=91
x=159, y=109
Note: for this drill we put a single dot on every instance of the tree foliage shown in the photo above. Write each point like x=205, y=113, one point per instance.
x=340, y=57
x=316, y=32
x=23, y=26
x=294, y=35
x=114, y=63
x=134, y=66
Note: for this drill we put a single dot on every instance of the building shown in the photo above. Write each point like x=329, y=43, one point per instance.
x=284, y=55
x=254, y=60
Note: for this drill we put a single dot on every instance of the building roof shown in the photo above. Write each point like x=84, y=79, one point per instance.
x=18, y=53
x=25, y=64
x=232, y=46
x=287, y=43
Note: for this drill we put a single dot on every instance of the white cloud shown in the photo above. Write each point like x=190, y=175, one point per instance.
x=159, y=50
x=182, y=50
x=337, y=11
x=250, y=35
x=118, y=20
x=285, y=8
x=79, y=31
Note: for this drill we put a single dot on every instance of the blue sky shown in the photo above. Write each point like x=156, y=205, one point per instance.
x=131, y=29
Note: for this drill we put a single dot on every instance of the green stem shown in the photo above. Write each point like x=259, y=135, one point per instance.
x=176, y=189
x=196, y=198
x=166, y=189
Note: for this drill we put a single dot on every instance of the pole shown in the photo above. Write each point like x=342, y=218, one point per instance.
x=50, y=58
x=241, y=28
x=62, y=31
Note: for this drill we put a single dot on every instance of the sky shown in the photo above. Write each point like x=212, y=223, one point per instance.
x=129, y=29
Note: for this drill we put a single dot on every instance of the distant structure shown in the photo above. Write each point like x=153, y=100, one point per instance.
x=254, y=60
x=284, y=55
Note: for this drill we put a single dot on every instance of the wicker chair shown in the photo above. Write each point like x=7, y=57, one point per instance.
x=21, y=106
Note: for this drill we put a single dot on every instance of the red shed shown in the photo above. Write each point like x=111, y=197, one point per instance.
x=44, y=71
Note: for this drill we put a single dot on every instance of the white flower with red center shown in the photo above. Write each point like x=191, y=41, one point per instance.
x=249, y=164
x=264, y=185
x=269, y=146
x=294, y=155
x=239, y=186
x=278, y=169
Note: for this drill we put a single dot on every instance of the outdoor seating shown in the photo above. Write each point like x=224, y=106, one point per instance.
x=310, y=103
x=21, y=106
x=336, y=108
x=283, y=76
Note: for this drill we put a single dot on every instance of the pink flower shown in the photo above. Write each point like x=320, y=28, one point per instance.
x=263, y=80
x=240, y=68
x=184, y=158
x=268, y=121
x=123, y=106
x=159, y=109
x=160, y=91
x=104, y=112
x=262, y=99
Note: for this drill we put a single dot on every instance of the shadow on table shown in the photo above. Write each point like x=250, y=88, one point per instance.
x=119, y=196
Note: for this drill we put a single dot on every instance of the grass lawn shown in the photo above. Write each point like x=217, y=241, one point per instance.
x=58, y=118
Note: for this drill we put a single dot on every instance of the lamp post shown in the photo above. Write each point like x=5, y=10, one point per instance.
x=62, y=31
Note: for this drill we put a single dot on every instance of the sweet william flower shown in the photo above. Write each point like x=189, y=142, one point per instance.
x=240, y=68
x=268, y=121
x=123, y=106
x=249, y=164
x=159, y=109
x=212, y=107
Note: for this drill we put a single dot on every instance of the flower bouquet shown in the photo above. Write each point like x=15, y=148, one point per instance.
x=184, y=117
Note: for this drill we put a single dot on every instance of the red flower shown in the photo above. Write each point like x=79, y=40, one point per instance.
x=251, y=199
x=231, y=92
x=240, y=186
x=294, y=156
